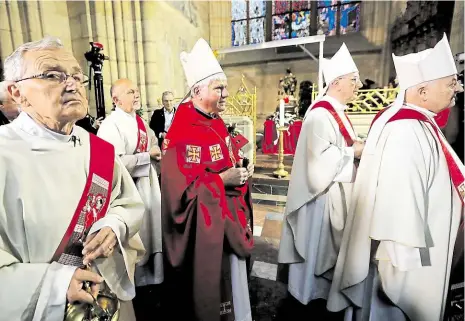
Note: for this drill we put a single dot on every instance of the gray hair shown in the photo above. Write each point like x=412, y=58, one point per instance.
x=207, y=81
x=14, y=62
x=165, y=93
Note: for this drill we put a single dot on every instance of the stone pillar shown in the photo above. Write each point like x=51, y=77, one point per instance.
x=456, y=33
x=6, y=47
x=140, y=59
x=112, y=64
x=119, y=38
x=220, y=24
x=34, y=24
x=150, y=25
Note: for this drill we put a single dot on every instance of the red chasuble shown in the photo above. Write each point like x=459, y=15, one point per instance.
x=202, y=220
x=94, y=202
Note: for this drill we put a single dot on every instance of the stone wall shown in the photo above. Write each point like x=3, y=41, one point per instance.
x=142, y=38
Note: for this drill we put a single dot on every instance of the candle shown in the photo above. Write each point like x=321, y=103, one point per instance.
x=281, y=112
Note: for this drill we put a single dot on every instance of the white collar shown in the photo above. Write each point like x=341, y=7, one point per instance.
x=30, y=126
x=122, y=112
x=168, y=112
x=422, y=110
x=334, y=102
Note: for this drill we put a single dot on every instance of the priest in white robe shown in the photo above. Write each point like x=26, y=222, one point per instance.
x=407, y=203
x=321, y=181
x=138, y=148
x=49, y=228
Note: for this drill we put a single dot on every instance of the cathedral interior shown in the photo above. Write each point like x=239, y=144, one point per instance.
x=257, y=44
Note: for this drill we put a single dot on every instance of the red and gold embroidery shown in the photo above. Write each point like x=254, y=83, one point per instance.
x=193, y=154
x=215, y=152
x=461, y=190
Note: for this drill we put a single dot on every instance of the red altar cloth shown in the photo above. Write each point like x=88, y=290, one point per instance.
x=270, y=137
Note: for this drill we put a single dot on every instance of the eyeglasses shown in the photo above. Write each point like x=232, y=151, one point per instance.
x=60, y=77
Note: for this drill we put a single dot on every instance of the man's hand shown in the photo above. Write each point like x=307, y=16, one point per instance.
x=75, y=290
x=98, y=122
x=99, y=244
x=235, y=176
x=250, y=169
x=163, y=135
x=155, y=153
x=358, y=148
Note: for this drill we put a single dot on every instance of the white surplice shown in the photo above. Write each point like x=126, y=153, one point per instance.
x=120, y=129
x=403, y=200
x=317, y=202
x=42, y=177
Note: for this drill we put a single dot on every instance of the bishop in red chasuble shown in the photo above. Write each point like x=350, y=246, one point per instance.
x=206, y=202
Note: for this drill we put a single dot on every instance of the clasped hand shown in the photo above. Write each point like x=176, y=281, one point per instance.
x=237, y=176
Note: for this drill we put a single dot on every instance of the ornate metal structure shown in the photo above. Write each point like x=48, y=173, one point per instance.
x=244, y=103
x=369, y=101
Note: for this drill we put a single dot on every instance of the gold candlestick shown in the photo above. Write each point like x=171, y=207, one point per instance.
x=281, y=172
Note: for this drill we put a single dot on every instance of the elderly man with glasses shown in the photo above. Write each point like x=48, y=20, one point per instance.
x=69, y=210
x=321, y=182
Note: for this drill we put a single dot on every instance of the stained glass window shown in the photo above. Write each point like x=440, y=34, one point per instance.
x=280, y=27
x=350, y=18
x=300, y=24
x=248, y=22
x=300, y=5
x=257, y=30
x=280, y=7
x=329, y=21
x=257, y=8
x=239, y=33
x=238, y=9
x=292, y=19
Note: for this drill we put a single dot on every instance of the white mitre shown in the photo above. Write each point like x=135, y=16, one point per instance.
x=414, y=69
x=200, y=63
x=339, y=65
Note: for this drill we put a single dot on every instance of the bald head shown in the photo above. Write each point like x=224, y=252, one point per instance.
x=125, y=95
x=435, y=95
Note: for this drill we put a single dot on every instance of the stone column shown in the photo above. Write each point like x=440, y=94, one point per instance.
x=119, y=39
x=456, y=32
x=150, y=25
x=220, y=24
x=140, y=59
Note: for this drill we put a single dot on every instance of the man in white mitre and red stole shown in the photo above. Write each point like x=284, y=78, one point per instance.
x=138, y=149
x=407, y=202
x=206, y=202
x=320, y=184
x=69, y=210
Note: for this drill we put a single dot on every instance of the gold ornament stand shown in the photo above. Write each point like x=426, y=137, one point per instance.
x=280, y=172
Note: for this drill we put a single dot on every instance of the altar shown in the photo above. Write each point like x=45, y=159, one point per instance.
x=270, y=141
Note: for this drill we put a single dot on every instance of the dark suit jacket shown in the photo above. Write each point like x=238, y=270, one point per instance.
x=157, y=123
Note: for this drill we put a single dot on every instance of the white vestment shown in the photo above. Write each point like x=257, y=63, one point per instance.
x=403, y=200
x=317, y=202
x=42, y=178
x=120, y=129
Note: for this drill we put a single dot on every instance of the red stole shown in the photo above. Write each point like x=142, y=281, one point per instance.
x=93, y=204
x=142, y=137
x=326, y=105
x=456, y=175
